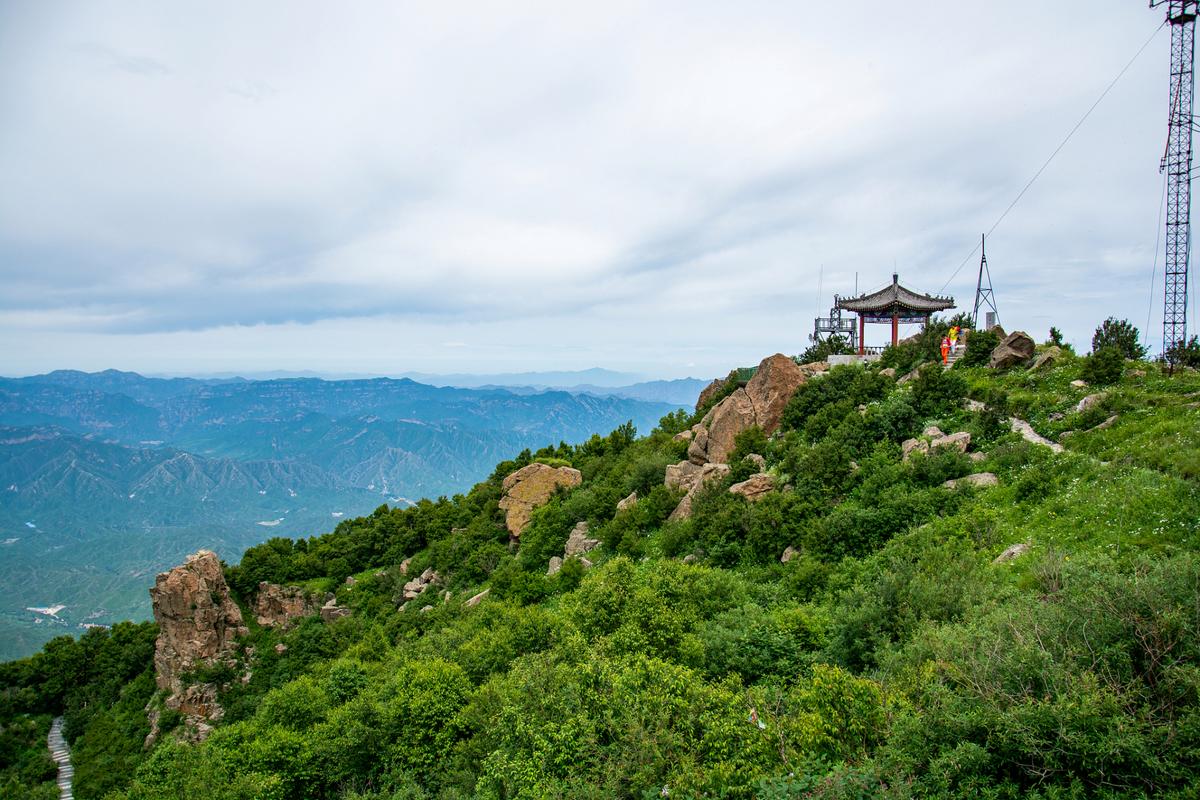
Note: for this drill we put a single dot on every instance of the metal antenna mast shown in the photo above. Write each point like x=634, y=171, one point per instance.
x=983, y=293
x=1177, y=163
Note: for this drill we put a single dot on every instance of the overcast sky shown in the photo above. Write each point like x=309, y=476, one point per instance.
x=651, y=187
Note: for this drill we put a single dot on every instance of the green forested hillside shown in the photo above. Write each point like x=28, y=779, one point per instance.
x=897, y=653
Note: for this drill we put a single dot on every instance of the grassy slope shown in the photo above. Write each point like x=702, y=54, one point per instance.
x=893, y=658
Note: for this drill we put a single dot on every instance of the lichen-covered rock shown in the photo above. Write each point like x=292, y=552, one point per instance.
x=198, y=626
x=1017, y=348
x=754, y=488
x=530, y=487
x=278, y=606
x=555, y=565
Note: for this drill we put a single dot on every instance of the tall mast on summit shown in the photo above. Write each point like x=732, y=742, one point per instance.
x=1177, y=163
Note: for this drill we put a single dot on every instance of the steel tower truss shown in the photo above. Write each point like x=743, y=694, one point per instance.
x=1177, y=163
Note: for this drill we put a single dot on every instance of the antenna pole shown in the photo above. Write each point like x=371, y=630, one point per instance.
x=984, y=296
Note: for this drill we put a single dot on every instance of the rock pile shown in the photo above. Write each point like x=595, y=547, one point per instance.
x=417, y=586
x=198, y=626
x=530, y=487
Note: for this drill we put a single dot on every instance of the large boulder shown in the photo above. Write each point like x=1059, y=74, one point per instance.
x=278, y=606
x=530, y=487
x=760, y=402
x=198, y=626
x=776, y=380
x=1017, y=348
x=722, y=424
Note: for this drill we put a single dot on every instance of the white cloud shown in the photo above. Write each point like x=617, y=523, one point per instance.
x=296, y=185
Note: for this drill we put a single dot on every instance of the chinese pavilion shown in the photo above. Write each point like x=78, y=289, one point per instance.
x=894, y=304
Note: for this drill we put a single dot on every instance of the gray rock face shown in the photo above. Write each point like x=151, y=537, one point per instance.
x=1017, y=348
x=1089, y=402
x=555, y=565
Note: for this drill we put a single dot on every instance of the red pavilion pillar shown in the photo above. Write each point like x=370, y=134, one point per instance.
x=895, y=328
x=862, y=335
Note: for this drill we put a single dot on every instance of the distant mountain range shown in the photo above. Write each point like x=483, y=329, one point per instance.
x=106, y=478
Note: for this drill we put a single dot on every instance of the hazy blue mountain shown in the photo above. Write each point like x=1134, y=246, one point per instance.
x=107, y=478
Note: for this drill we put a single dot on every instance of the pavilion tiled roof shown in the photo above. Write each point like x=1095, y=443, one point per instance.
x=895, y=297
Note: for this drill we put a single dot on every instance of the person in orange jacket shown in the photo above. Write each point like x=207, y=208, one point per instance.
x=945, y=350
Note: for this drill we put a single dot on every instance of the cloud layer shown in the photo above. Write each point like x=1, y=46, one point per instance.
x=384, y=186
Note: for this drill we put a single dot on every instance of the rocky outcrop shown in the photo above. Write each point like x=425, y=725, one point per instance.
x=754, y=488
x=1017, y=348
x=579, y=543
x=691, y=479
x=477, y=599
x=278, y=606
x=198, y=626
x=761, y=402
x=1089, y=402
x=530, y=487
x=776, y=380
x=1047, y=358
x=628, y=503
x=712, y=390
x=720, y=426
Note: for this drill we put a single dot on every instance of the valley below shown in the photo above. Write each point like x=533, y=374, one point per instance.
x=108, y=478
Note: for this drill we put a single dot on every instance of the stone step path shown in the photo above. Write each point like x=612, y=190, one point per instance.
x=62, y=756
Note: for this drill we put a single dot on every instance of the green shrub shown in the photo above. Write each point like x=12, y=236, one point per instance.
x=980, y=345
x=1103, y=367
x=1120, y=335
